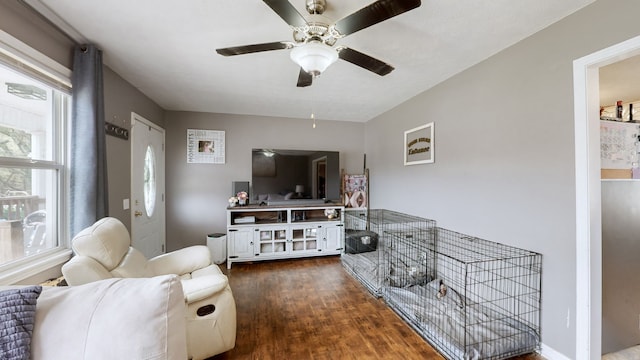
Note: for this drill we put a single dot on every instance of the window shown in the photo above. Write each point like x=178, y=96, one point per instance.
x=149, y=181
x=34, y=112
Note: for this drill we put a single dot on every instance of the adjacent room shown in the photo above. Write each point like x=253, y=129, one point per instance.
x=319, y=179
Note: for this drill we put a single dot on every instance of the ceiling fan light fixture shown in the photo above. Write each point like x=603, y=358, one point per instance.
x=314, y=57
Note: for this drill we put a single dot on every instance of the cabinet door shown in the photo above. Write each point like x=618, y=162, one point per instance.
x=271, y=240
x=332, y=237
x=240, y=243
x=305, y=238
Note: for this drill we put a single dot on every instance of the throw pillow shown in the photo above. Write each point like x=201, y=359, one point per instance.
x=17, y=317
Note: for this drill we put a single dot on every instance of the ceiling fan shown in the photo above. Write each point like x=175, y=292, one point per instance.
x=313, y=46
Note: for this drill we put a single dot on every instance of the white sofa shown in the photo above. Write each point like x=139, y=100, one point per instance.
x=103, y=251
x=108, y=319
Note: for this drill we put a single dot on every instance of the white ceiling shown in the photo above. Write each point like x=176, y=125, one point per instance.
x=166, y=48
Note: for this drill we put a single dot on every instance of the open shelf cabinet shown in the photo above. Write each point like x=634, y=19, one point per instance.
x=263, y=233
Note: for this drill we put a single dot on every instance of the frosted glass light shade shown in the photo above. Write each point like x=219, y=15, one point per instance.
x=314, y=57
x=299, y=188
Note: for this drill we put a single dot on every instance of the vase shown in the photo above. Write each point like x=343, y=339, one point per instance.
x=242, y=202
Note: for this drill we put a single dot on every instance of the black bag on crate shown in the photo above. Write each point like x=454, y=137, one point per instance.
x=359, y=241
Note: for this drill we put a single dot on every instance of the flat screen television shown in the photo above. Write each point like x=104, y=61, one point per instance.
x=278, y=176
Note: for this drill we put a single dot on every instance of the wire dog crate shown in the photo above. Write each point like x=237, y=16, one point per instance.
x=370, y=238
x=477, y=299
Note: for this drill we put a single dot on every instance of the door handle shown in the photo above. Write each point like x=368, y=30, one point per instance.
x=137, y=213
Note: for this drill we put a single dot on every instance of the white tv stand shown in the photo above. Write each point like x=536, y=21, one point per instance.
x=256, y=233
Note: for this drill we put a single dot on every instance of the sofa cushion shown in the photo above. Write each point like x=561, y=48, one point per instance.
x=133, y=265
x=181, y=261
x=84, y=269
x=107, y=241
x=17, y=317
x=141, y=318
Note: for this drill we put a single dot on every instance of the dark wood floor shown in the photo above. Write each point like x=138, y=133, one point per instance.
x=312, y=309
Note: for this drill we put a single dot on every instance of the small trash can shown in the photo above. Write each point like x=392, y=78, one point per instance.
x=217, y=244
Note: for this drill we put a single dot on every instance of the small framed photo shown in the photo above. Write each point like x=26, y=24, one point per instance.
x=418, y=145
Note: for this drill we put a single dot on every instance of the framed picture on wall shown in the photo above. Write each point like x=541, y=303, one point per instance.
x=355, y=190
x=418, y=145
x=205, y=146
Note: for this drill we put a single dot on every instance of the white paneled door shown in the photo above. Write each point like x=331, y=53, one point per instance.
x=147, y=187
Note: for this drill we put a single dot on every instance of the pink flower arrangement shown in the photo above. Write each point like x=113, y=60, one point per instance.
x=242, y=195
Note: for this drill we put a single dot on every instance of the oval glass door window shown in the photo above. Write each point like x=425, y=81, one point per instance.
x=149, y=181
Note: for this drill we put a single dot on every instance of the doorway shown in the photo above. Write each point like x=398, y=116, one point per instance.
x=588, y=194
x=147, y=186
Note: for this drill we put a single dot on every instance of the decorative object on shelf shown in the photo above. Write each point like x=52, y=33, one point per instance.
x=243, y=198
x=331, y=213
x=418, y=145
x=619, y=112
x=619, y=109
x=205, y=146
x=233, y=201
x=299, y=190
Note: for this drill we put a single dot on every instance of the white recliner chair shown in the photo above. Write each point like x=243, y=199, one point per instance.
x=104, y=251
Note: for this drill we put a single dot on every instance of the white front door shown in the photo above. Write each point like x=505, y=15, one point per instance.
x=147, y=187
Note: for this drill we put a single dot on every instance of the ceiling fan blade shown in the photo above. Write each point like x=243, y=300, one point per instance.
x=365, y=61
x=247, y=49
x=287, y=12
x=374, y=13
x=304, y=78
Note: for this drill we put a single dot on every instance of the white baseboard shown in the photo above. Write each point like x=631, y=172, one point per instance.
x=551, y=354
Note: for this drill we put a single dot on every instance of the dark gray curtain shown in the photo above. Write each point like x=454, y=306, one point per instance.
x=88, y=193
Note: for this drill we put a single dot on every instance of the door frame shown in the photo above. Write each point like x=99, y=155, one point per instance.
x=314, y=176
x=588, y=194
x=136, y=118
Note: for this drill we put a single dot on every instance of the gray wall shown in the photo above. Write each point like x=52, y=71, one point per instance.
x=19, y=21
x=504, y=152
x=197, y=194
x=120, y=100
